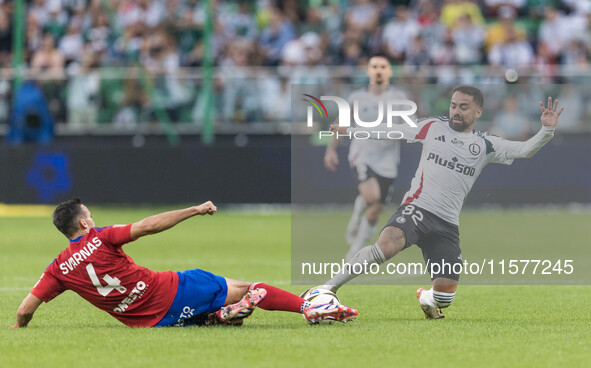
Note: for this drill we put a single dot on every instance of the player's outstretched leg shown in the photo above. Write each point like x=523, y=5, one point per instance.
x=269, y=297
x=329, y=313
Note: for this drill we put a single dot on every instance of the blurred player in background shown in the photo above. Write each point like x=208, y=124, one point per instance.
x=374, y=163
x=95, y=267
x=452, y=157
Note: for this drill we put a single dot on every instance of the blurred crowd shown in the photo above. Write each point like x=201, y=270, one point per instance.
x=169, y=33
x=69, y=39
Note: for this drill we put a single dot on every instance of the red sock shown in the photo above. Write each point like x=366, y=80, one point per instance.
x=278, y=299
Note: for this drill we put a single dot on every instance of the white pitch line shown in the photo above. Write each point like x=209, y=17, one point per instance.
x=9, y=289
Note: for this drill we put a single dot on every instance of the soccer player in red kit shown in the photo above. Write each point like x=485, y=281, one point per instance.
x=95, y=266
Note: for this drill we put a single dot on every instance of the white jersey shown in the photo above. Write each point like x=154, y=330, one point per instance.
x=382, y=157
x=451, y=161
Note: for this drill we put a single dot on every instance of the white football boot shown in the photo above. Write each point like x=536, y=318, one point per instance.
x=431, y=310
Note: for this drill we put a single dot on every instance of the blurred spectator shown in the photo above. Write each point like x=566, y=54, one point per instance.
x=351, y=35
x=399, y=33
x=469, y=39
x=83, y=91
x=417, y=54
x=300, y=50
x=497, y=31
x=239, y=99
x=72, y=43
x=48, y=60
x=571, y=119
x=452, y=10
x=128, y=45
x=445, y=52
x=353, y=55
x=554, y=32
x=161, y=59
x=34, y=34
x=511, y=122
x=99, y=33
x=57, y=20
x=274, y=37
x=188, y=36
x=576, y=53
x=291, y=9
x=275, y=98
x=38, y=11
x=241, y=24
x=314, y=22
x=385, y=10
x=513, y=53
x=363, y=15
x=544, y=64
x=134, y=103
x=430, y=27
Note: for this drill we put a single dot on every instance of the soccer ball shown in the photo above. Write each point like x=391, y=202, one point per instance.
x=320, y=296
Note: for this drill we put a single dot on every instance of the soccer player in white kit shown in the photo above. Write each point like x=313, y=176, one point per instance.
x=453, y=156
x=374, y=163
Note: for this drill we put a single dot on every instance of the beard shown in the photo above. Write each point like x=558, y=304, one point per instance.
x=459, y=125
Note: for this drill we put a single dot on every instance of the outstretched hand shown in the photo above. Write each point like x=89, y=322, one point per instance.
x=549, y=116
x=207, y=208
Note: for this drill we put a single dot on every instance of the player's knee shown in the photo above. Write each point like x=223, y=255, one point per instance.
x=373, y=213
x=391, y=241
x=236, y=290
x=372, y=200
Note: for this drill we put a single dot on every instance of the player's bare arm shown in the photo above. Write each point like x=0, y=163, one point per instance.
x=26, y=310
x=331, y=158
x=166, y=220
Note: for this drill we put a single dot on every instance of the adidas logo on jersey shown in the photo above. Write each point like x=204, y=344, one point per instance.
x=440, y=138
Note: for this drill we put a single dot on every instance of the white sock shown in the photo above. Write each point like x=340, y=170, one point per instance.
x=360, y=206
x=364, y=234
x=441, y=299
x=353, y=227
x=370, y=254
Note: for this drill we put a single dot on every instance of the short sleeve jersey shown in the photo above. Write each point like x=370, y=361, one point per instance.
x=95, y=267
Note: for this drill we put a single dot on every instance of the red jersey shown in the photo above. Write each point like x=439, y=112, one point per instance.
x=95, y=267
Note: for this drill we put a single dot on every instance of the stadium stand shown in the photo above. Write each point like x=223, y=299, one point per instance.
x=121, y=63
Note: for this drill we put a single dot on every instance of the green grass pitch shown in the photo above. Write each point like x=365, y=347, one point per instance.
x=498, y=326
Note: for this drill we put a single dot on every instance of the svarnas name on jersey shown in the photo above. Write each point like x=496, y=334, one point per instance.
x=76, y=258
